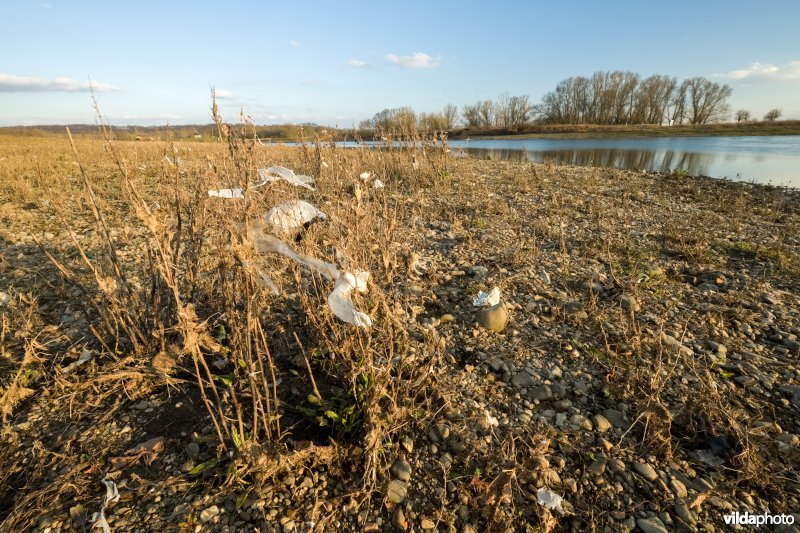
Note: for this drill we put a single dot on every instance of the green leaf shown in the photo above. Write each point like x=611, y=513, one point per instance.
x=333, y=416
x=312, y=399
x=237, y=440
x=202, y=467
x=226, y=379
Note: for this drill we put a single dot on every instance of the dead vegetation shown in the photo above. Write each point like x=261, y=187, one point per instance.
x=135, y=312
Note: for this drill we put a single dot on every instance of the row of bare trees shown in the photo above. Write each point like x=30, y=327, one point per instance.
x=614, y=97
x=625, y=98
x=404, y=119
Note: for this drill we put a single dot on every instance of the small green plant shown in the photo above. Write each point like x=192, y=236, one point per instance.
x=680, y=172
x=343, y=414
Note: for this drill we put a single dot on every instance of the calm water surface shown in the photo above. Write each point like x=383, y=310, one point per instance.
x=773, y=159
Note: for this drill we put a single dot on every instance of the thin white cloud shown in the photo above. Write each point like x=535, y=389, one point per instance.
x=790, y=71
x=10, y=83
x=357, y=63
x=222, y=94
x=417, y=60
x=294, y=44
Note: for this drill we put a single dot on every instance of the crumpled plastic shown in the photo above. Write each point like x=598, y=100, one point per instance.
x=86, y=355
x=112, y=495
x=341, y=302
x=365, y=176
x=266, y=243
x=487, y=299
x=377, y=184
x=550, y=500
x=289, y=216
x=276, y=173
x=226, y=193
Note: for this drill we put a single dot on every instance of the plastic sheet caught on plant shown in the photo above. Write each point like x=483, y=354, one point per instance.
x=290, y=216
x=226, y=193
x=276, y=173
x=112, y=495
x=377, y=184
x=365, y=176
x=341, y=303
x=265, y=243
x=487, y=299
x=550, y=500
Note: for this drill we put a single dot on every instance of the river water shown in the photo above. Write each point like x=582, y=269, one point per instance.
x=765, y=159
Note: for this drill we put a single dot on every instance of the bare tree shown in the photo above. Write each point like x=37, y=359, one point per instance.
x=707, y=101
x=773, y=114
x=471, y=115
x=742, y=115
x=450, y=116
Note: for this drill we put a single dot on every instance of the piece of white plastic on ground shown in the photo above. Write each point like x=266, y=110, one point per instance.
x=112, y=495
x=226, y=193
x=341, y=302
x=550, y=500
x=709, y=457
x=377, y=184
x=276, y=173
x=487, y=299
x=85, y=356
x=292, y=215
x=266, y=243
x=492, y=421
x=364, y=176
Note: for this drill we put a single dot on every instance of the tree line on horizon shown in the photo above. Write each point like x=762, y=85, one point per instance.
x=610, y=97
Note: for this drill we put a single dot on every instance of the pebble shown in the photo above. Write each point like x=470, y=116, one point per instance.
x=208, y=513
x=494, y=318
x=651, y=525
x=401, y=470
x=646, y=471
x=397, y=491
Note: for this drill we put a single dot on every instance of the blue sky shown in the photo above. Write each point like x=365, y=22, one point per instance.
x=336, y=63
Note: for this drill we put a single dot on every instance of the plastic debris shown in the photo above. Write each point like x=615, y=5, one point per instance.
x=489, y=299
x=377, y=184
x=268, y=175
x=266, y=243
x=85, y=356
x=490, y=420
x=550, y=500
x=709, y=457
x=290, y=216
x=341, y=302
x=226, y=193
x=365, y=176
x=112, y=495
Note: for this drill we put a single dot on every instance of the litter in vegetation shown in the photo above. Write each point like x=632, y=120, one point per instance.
x=377, y=184
x=276, y=173
x=365, y=176
x=112, y=495
x=290, y=216
x=226, y=193
x=85, y=356
x=341, y=302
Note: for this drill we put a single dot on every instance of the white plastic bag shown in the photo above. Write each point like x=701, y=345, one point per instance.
x=290, y=216
x=226, y=193
x=275, y=173
x=341, y=302
x=489, y=299
x=550, y=500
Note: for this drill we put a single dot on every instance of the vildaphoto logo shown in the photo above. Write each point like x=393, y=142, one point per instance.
x=758, y=520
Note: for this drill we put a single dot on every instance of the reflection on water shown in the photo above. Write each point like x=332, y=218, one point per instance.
x=774, y=159
x=696, y=163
